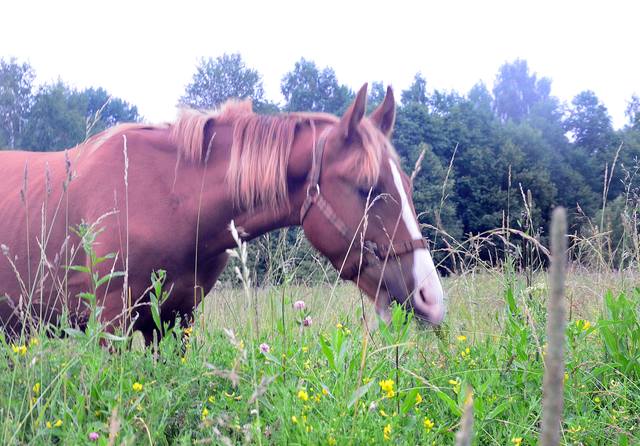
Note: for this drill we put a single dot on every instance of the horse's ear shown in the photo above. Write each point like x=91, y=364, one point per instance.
x=352, y=117
x=385, y=115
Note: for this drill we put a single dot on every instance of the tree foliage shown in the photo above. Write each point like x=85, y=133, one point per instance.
x=16, y=83
x=498, y=155
x=307, y=88
x=55, y=116
x=225, y=77
x=516, y=91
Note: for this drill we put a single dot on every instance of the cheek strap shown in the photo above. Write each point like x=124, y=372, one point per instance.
x=314, y=198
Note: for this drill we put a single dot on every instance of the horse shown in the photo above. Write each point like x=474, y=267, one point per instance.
x=163, y=196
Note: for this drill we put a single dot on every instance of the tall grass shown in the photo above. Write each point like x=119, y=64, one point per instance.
x=254, y=368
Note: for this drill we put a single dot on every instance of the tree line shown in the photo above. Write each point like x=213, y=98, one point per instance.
x=496, y=156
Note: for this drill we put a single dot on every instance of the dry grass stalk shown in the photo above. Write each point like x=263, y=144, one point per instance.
x=465, y=434
x=553, y=386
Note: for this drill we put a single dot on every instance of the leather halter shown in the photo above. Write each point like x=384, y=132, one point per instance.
x=381, y=251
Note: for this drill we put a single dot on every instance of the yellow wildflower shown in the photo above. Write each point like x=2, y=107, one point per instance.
x=33, y=342
x=58, y=423
x=455, y=383
x=188, y=331
x=316, y=397
x=574, y=430
x=325, y=392
x=205, y=412
x=303, y=395
x=516, y=440
x=383, y=413
x=428, y=424
x=36, y=388
x=583, y=324
x=211, y=399
x=137, y=387
x=339, y=326
x=294, y=419
x=19, y=349
x=49, y=426
x=461, y=338
x=387, y=386
x=183, y=359
x=418, y=398
x=332, y=441
x=387, y=432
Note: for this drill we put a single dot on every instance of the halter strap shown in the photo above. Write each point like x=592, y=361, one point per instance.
x=314, y=197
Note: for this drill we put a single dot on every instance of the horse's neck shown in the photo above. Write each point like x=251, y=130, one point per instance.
x=260, y=221
x=256, y=222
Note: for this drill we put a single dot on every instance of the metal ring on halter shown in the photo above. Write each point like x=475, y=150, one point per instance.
x=310, y=188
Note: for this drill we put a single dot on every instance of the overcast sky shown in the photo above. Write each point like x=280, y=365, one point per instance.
x=145, y=51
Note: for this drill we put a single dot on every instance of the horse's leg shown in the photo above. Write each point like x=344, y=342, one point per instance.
x=207, y=281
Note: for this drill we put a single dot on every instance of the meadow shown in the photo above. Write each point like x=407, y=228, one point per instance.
x=291, y=364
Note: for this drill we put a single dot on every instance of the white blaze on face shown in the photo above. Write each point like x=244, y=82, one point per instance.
x=428, y=294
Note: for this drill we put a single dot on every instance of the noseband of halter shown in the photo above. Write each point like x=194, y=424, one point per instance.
x=380, y=251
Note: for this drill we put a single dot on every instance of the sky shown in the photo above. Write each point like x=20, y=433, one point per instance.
x=145, y=52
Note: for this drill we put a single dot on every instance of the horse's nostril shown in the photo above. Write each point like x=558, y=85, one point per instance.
x=421, y=292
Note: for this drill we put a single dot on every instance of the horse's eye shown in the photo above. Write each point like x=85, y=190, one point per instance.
x=365, y=192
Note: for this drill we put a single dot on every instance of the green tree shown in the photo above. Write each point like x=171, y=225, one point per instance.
x=435, y=202
x=595, y=141
x=62, y=117
x=16, y=82
x=516, y=91
x=376, y=96
x=590, y=123
x=306, y=88
x=633, y=112
x=225, y=77
x=55, y=121
x=107, y=110
x=480, y=97
x=417, y=92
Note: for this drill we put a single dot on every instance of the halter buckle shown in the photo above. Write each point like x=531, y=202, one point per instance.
x=310, y=191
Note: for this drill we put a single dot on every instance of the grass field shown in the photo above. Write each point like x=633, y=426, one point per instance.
x=241, y=379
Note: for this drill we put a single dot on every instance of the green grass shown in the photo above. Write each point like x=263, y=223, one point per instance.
x=221, y=389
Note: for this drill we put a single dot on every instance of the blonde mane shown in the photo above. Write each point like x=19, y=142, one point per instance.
x=261, y=147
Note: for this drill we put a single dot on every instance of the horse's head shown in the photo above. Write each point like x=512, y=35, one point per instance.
x=359, y=213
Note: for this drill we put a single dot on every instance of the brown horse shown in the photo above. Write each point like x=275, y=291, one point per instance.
x=164, y=197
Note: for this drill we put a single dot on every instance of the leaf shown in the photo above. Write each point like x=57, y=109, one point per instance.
x=73, y=332
x=109, y=277
x=271, y=358
x=359, y=393
x=80, y=268
x=328, y=353
x=497, y=410
x=409, y=401
x=88, y=296
x=453, y=406
x=112, y=337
